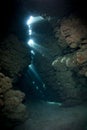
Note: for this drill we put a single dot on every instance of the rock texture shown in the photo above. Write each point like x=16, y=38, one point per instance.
x=72, y=31
x=11, y=106
x=72, y=34
x=14, y=56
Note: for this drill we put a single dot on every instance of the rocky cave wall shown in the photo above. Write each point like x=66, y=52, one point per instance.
x=14, y=57
x=62, y=63
x=71, y=34
x=11, y=106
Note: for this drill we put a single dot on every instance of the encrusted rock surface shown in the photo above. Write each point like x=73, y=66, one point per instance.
x=11, y=106
x=14, y=56
x=72, y=31
x=59, y=79
x=72, y=34
x=5, y=83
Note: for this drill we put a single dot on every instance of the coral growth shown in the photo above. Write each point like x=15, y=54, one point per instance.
x=14, y=57
x=76, y=59
x=11, y=105
x=72, y=34
x=73, y=31
x=5, y=83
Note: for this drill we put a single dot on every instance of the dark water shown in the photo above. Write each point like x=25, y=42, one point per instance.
x=44, y=100
x=45, y=116
x=45, y=108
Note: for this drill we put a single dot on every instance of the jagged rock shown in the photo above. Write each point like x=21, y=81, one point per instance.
x=5, y=83
x=20, y=114
x=69, y=92
x=17, y=93
x=12, y=99
x=11, y=106
x=14, y=56
x=72, y=60
x=72, y=33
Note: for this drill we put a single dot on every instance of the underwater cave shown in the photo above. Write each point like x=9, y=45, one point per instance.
x=43, y=70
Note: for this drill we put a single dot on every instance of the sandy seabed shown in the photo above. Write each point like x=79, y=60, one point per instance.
x=44, y=116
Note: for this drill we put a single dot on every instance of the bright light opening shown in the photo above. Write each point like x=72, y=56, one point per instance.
x=54, y=103
x=34, y=19
x=31, y=43
x=30, y=31
x=34, y=71
x=30, y=20
x=32, y=52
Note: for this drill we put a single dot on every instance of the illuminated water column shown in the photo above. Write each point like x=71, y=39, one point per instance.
x=35, y=19
x=36, y=79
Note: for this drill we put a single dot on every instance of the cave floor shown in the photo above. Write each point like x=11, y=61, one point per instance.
x=44, y=116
